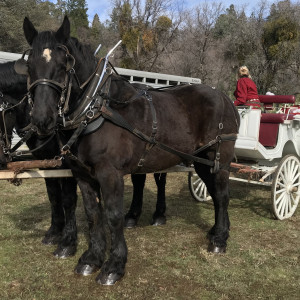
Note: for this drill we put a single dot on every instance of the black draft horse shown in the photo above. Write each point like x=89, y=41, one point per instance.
x=194, y=122
x=61, y=192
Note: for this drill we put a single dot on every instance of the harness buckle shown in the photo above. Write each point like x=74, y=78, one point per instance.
x=65, y=148
x=141, y=162
x=90, y=113
x=19, y=153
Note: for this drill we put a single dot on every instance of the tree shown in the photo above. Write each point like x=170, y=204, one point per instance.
x=77, y=11
x=12, y=13
x=146, y=31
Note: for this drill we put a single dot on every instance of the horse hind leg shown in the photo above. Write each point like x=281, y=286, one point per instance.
x=68, y=243
x=134, y=213
x=159, y=217
x=217, y=185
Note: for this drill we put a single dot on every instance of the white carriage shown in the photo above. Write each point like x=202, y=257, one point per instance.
x=267, y=153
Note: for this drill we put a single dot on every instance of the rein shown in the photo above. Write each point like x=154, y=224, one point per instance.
x=5, y=137
x=27, y=132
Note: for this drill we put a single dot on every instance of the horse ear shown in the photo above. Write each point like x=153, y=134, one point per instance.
x=63, y=33
x=29, y=31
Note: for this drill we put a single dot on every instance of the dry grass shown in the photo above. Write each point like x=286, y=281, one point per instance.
x=168, y=262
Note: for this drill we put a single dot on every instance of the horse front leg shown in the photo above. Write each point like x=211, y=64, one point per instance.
x=159, y=217
x=112, y=188
x=68, y=243
x=53, y=234
x=93, y=258
x=217, y=185
x=133, y=215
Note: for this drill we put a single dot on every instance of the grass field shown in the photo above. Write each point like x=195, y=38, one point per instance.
x=167, y=262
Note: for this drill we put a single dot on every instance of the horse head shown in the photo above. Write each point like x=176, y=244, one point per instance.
x=49, y=68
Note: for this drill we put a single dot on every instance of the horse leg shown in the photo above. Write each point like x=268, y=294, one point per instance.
x=68, y=242
x=159, y=217
x=217, y=186
x=112, y=187
x=92, y=259
x=133, y=215
x=53, y=234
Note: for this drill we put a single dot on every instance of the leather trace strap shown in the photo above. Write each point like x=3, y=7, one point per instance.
x=117, y=119
x=149, y=145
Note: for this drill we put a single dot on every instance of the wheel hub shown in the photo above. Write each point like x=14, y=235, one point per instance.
x=291, y=189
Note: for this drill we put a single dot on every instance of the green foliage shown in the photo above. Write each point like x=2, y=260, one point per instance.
x=12, y=13
x=77, y=11
x=163, y=23
x=279, y=36
x=226, y=23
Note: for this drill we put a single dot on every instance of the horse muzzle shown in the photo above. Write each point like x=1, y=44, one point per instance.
x=44, y=128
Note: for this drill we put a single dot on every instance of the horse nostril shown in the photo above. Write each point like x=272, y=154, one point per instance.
x=50, y=123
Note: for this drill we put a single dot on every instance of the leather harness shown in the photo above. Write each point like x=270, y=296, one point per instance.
x=90, y=115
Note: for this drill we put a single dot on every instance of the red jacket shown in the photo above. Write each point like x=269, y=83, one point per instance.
x=245, y=90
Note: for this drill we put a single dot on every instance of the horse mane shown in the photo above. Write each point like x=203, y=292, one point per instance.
x=10, y=81
x=83, y=53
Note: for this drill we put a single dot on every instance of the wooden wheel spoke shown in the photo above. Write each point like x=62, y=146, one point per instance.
x=279, y=199
x=285, y=188
x=280, y=191
x=198, y=188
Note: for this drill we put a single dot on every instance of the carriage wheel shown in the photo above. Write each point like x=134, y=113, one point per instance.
x=285, y=187
x=198, y=188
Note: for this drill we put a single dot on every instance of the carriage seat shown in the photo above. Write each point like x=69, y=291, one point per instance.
x=268, y=100
x=269, y=123
x=269, y=126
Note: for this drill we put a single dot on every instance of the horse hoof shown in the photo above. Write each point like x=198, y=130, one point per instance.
x=65, y=252
x=159, y=221
x=216, y=249
x=130, y=223
x=108, y=279
x=51, y=240
x=85, y=270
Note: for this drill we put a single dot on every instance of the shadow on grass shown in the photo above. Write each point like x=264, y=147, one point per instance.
x=30, y=216
x=253, y=197
x=179, y=204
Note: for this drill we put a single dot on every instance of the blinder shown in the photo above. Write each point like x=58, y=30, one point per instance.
x=21, y=66
x=70, y=58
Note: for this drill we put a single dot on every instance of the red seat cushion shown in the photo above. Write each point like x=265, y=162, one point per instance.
x=275, y=118
x=267, y=99
x=268, y=134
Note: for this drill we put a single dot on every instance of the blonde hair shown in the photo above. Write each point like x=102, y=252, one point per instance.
x=243, y=71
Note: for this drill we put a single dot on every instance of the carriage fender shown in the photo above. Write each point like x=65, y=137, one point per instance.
x=291, y=147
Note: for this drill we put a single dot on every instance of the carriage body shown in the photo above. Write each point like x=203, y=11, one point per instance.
x=267, y=153
x=265, y=137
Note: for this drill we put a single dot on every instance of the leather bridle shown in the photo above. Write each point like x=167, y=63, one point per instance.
x=63, y=89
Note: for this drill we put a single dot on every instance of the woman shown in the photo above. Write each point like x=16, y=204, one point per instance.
x=246, y=90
